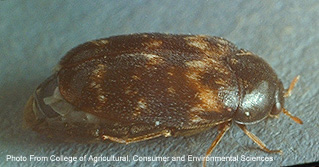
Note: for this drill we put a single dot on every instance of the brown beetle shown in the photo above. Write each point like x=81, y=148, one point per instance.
x=137, y=87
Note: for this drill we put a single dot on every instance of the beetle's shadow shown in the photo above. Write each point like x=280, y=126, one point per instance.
x=18, y=90
x=13, y=97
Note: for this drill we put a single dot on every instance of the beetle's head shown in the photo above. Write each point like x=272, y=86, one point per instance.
x=261, y=92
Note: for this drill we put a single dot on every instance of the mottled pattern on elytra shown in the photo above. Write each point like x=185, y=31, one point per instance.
x=165, y=80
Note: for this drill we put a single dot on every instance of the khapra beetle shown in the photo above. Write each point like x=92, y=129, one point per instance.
x=131, y=88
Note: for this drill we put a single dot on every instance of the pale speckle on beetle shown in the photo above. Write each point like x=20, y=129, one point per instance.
x=102, y=98
x=136, y=113
x=100, y=42
x=157, y=123
x=153, y=59
x=151, y=56
x=171, y=90
x=196, y=119
x=97, y=82
x=247, y=114
x=233, y=61
x=194, y=76
x=141, y=104
x=208, y=102
x=199, y=64
x=153, y=44
x=170, y=73
x=221, y=82
x=193, y=41
x=135, y=77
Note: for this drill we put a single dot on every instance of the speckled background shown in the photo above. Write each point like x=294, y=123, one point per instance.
x=34, y=35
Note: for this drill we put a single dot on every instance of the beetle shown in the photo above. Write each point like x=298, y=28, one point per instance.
x=131, y=88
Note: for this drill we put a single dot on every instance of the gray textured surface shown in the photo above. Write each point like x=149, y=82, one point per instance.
x=36, y=34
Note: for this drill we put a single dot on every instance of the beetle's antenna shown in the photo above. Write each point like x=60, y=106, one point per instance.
x=223, y=129
x=291, y=86
x=287, y=94
x=257, y=140
x=296, y=119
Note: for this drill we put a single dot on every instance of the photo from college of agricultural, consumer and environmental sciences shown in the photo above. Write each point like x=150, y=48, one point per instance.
x=96, y=159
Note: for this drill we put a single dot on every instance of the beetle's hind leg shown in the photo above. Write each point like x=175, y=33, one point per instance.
x=257, y=140
x=128, y=140
x=223, y=128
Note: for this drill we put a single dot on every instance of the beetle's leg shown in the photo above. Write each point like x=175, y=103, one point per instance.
x=128, y=140
x=223, y=129
x=273, y=116
x=296, y=119
x=257, y=140
x=291, y=86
